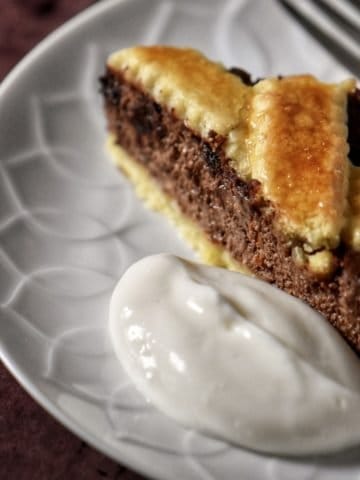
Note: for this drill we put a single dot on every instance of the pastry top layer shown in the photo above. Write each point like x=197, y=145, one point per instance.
x=288, y=133
x=299, y=154
x=202, y=93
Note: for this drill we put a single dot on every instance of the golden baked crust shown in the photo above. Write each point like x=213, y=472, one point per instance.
x=299, y=154
x=290, y=134
x=201, y=92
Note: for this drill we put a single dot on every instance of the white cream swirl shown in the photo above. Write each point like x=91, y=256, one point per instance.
x=232, y=356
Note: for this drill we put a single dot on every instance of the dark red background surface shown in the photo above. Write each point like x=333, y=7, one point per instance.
x=32, y=444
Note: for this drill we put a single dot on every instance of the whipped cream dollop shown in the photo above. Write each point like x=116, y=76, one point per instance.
x=235, y=357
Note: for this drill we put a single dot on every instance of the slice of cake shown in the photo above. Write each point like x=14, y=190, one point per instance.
x=256, y=176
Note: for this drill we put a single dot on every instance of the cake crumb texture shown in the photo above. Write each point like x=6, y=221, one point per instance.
x=148, y=190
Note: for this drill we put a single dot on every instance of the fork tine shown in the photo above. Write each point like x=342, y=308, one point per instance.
x=337, y=18
x=350, y=60
x=354, y=4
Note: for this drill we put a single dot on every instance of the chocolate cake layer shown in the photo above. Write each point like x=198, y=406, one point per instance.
x=231, y=212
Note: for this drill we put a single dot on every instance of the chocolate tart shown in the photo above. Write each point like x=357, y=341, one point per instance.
x=259, y=177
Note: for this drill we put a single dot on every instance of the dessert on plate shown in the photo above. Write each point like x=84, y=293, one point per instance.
x=259, y=177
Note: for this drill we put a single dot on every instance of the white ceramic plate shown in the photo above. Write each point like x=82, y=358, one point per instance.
x=70, y=225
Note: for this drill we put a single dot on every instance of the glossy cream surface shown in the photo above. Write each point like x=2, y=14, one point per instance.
x=236, y=358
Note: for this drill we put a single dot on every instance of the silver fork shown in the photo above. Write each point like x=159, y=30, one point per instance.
x=334, y=23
